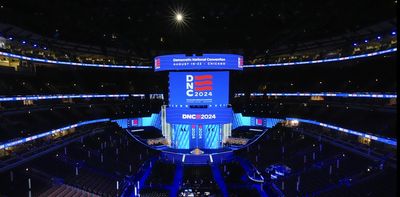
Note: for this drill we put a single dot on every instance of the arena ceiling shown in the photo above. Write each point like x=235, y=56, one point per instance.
x=150, y=26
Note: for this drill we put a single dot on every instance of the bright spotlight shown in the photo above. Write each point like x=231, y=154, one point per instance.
x=179, y=17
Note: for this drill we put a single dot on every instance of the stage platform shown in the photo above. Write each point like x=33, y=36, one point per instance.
x=189, y=157
x=200, y=156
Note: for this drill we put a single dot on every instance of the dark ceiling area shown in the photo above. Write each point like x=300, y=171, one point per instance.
x=149, y=25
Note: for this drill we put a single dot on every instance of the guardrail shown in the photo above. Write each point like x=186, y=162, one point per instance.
x=384, y=140
x=45, y=134
x=84, y=96
x=11, y=55
x=324, y=60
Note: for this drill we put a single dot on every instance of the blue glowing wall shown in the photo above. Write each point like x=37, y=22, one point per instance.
x=153, y=120
x=240, y=120
x=180, y=136
x=187, y=136
x=212, y=136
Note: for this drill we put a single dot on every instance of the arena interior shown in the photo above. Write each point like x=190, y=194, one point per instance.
x=183, y=98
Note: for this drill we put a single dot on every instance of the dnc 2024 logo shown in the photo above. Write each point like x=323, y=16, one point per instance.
x=199, y=85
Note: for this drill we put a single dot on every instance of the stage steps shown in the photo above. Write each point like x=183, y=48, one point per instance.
x=66, y=190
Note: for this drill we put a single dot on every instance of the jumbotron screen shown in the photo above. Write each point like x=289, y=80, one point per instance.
x=202, y=62
x=199, y=88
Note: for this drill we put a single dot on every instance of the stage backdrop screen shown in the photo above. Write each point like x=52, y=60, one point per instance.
x=198, y=88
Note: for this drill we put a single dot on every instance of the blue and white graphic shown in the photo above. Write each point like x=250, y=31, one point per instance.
x=180, y=136
x=153, y=120
x=199, y=115
x=198, y=88
x=240, y=120
x=203, y=62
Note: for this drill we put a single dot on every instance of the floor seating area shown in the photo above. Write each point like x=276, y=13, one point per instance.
x=317, y=167
x=94, y=164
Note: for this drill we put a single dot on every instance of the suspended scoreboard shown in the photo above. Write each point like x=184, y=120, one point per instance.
x=198, y=115
x=199, y=88
x=181, y=62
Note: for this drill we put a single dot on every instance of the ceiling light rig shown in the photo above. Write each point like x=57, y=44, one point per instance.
x=179, y=18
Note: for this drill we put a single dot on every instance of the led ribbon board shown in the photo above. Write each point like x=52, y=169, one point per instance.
x=83, y=96
x=199, y=88
x=385, y=140
x=324, y=94
x=324, y=60
x=203, y=62
x=71, y=63
x=42, y=135
x=166, y=59
x=199, y=115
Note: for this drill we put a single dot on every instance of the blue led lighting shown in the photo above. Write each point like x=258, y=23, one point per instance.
x=244, y=66
x=41, y=135
x=199, y=88
x=327, y=94
x=385, y=140
x=325, y=60
x=256, y=94
x=201, y=62
x=47, y=97
x=71, y=63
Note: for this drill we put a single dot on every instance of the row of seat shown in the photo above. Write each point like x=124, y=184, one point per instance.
x=66, y=191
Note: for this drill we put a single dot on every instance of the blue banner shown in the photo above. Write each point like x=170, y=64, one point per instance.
x=199, y=115
x=203, y=62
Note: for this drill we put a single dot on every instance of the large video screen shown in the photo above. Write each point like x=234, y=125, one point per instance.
x=203, y=62
x=199, y=88
x=199, y=115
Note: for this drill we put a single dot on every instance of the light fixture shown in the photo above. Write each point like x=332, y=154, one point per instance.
x=179, y=17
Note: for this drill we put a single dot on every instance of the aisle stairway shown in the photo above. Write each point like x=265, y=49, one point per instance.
x=67, y=191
